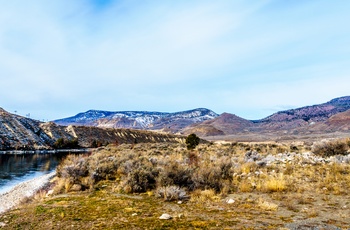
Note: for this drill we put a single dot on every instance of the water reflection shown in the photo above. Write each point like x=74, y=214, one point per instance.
x=18, y=168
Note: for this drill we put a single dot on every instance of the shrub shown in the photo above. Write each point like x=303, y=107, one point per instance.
x=331, y=148
x=73, y=170
x=61, y=143
x=140, y=180
x=207, y=177
x=192, y=141
x=175, y=174
x=137, y=175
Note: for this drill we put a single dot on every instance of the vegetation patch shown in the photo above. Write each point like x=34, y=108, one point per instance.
x=132, y=185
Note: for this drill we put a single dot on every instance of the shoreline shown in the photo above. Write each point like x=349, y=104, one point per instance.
x=26, y=189
x=51, y=151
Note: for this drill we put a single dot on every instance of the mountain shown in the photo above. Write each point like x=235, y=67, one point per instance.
x=170, y=122
x=21, y=133
x=328, y=118
x=312, y=113
x=18, y=132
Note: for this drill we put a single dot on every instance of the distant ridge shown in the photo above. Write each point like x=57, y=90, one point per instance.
x=307, y=120
x=312, y=113
x=170, y=122
x=21, y=133
x=331, y=118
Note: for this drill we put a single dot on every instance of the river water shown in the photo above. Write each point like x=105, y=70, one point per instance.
x=17, y=168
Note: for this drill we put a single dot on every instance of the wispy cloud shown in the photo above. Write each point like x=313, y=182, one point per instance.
x=58, y=58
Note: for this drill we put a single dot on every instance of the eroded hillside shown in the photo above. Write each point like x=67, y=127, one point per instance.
x=17, y=132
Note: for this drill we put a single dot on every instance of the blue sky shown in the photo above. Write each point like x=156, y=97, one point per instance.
x=250, y=58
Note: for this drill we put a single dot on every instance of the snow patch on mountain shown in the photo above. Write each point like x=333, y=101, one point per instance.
x=138, y=119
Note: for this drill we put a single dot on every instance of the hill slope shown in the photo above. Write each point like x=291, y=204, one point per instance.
x=225, y=124
x=17, y=132
x=326, y=118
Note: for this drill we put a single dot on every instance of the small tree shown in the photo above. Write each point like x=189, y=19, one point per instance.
x=192, y=141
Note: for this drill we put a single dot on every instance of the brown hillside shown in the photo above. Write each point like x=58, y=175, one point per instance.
x=340, y=120
x=225, y=124
x=21, y=133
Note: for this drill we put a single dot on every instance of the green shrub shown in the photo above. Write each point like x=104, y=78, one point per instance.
x=192, y=141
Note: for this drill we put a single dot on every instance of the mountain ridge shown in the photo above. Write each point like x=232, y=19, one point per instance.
x=330, y=117
x=172, y=122
x=22, y=133
x=318, y=112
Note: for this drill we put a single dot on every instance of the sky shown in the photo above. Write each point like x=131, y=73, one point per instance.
x=250, y=58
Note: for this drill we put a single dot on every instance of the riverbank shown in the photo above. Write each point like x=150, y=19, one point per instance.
x=51, y=151
x=23, y=190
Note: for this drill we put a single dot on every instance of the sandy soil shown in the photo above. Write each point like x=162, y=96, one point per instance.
x=26, y=189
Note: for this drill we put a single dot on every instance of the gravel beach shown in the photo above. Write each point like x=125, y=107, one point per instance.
x=16, y=195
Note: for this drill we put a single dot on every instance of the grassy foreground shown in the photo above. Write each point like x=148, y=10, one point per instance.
x=216, y=186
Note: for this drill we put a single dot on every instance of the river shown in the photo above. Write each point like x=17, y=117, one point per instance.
x=17, y=167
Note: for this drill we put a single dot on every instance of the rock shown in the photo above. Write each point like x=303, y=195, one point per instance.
x=230, y=201
x=76, y=188
x=49, y=193
x=251, y=156
x=261, y=163
x=2, y=224
x=165, y=216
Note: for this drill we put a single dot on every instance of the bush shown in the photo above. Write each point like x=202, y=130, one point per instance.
x=192, y=141
x=137, y=175
x=175, y=174
x=332, y=148
x=208, y=177
x=73, y=170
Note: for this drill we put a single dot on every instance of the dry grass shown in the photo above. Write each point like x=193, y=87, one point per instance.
x=275, y=184
x=204, y=196
x=221, y=168
x=267, y=206
x=166, y=172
